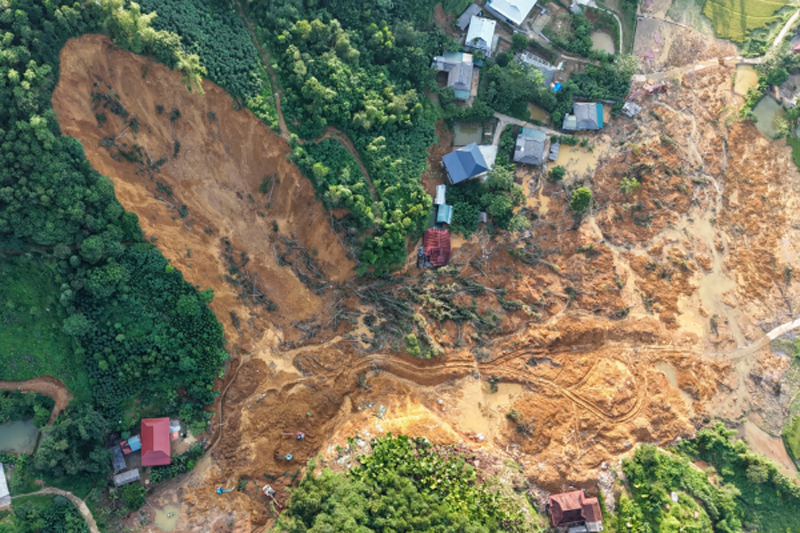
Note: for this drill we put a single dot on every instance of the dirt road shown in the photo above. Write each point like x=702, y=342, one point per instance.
x=47, y=385
x=80, y=504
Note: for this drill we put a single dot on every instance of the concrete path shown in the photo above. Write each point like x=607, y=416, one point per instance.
x=785, y=28
x=80, y=504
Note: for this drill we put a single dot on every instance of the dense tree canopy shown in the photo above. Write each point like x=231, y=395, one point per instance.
x=122, y=301
x=405, y=485
x=363, y=69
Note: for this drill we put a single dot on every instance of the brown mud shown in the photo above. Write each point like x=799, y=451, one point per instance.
x=620, y=322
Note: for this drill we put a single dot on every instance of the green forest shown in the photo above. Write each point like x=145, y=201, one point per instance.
x=84, y=298
x=403, y=485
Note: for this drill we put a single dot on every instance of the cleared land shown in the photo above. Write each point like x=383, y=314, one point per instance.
x=733, y=19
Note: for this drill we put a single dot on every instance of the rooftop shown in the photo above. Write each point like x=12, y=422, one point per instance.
x=512, y=11
x=5, y=496
x=574, y=507
x=471, y=11
x=436, y=245
x=465, y=163
x=155, y=442
x=529, y=148
x=481, y=34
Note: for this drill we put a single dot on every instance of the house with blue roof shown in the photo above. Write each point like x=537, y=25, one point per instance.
x=585, y=116
x=464, y=164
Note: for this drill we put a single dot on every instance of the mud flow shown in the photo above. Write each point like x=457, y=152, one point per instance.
x=637, y=324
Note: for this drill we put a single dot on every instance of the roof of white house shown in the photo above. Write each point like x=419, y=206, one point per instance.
x=516, y=11
x=481, y=34
x=5, y=497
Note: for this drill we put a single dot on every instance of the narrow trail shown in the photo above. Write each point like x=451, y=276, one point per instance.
x=80, y=504
x=329, y=131
x=46, y=385
x=785, y=29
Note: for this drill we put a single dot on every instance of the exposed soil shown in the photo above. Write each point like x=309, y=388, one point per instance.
x=620, y=322
x=46, y=385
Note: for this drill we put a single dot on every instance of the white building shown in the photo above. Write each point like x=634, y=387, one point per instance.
x=513, y=12
x=481, y=35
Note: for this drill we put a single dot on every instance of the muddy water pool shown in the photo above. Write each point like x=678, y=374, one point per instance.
x=672, y=376
x=466, y=133
x=167, y=517
x=602, y=41
x=746, y=77
x=18, y=436
x=537, y=113
x=577, y=160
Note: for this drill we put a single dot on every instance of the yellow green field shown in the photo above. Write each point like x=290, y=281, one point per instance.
x=733, y=19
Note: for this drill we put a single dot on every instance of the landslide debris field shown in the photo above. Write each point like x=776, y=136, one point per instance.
x=634, y=325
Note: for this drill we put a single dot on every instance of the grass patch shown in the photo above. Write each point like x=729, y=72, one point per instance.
x=32, y=342
x=795, y=144
x=791, y=438
x=734, y=19
x=80, y=486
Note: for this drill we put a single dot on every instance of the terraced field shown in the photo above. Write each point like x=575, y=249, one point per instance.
x=734, y=19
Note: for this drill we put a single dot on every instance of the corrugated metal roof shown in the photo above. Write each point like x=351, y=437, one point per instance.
x=440, y=194
x=514, y=11
x=117, y=459
x=554, y=148
x=155, y=442
x=436, y=245
x=463, y=20
x=460, y=76
x=126, y=477
x=570, y=123
x=480, y=34
x=445, y=214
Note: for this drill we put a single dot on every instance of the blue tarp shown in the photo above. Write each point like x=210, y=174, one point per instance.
x=134, y=443
x=465, y=163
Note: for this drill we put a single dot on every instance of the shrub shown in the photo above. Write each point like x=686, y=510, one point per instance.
x=581, y=200
x=557, y=173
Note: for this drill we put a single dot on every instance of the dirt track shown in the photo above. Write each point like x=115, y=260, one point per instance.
x=47, y=385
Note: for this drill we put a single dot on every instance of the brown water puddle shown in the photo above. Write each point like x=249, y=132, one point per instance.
x=479, y=410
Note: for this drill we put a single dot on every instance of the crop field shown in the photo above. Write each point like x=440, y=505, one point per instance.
x=734, y=19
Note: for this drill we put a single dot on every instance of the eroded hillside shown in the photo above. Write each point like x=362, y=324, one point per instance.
x=626, y=327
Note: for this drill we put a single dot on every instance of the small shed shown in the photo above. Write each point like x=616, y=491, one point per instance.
x=483, y=218
x=126, y=477
x=631, y=109
x=440, y=193
x=133, y=444
x=472, y=11
x=5, y=496
x=117, y=458
x=445, y=214
x=554, y=148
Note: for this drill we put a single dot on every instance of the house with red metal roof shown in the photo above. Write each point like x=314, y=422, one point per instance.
x=576, y=510
x=155, y=442
x=435, y=248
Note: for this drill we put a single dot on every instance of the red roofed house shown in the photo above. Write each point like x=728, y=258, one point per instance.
x=155, y=442
x=574, y=508
x=436, y=246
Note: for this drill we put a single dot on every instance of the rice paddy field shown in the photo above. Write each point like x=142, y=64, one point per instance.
x=734, y=19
